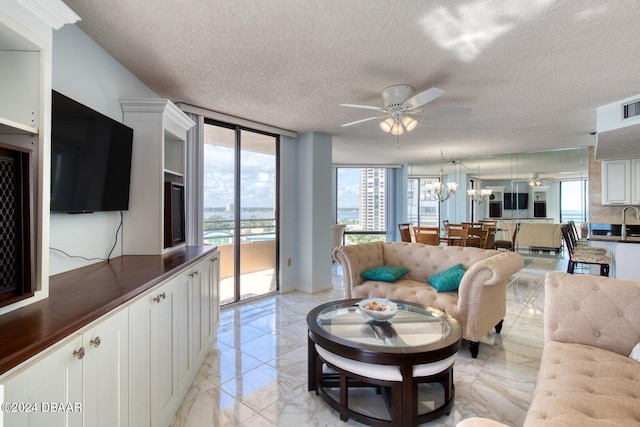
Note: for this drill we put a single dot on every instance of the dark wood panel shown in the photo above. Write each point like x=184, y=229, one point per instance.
x=78, y=297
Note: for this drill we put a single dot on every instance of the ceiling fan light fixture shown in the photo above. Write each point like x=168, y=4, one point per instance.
x=397, y=129
x=533, y=180
x=409, y=123
x=387, y=125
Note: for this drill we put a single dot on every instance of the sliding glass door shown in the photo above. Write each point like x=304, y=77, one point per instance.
x=241, y=208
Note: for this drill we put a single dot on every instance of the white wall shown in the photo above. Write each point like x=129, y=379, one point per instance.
x=83, y=71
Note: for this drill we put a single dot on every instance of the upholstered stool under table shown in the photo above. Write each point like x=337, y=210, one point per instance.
x=419, y=345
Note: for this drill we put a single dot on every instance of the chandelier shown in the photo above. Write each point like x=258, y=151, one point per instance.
x=439, y=190
x=479, y=195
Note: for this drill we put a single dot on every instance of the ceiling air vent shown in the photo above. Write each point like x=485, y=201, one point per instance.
x=630, y=110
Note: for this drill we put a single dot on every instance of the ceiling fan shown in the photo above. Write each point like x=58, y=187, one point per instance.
x=400, y=101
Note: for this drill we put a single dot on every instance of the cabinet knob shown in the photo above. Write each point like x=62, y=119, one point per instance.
x=95, y=342
x=159, y=297
x=214, y=259
x=195, y=273
x=79, y=353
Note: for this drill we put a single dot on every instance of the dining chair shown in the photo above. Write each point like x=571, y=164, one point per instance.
x=457, y=234
x=428, y=235
x=489, y=238
x=476, y=234
x=509, y=245
x=405, y=232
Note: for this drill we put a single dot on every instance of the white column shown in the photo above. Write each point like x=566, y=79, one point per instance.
x=314, y=208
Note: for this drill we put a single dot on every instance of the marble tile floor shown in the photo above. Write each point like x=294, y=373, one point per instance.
x=257, y=374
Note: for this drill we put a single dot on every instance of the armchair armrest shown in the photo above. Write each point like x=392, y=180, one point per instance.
x=482, y=293
x=355, y=259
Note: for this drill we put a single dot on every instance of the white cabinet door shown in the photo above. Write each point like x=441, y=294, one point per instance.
x=55, y=379
x=184, y=339
x=197, y=318
x=635, y=184
x=199, y=294
x=153, y=385
x=140, y=320
x=211, y=303
x=616, y=182
x=106, y=373
x=164, y=378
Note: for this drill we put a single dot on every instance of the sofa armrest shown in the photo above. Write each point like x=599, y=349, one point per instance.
x=355, y=259
x=482, y=295
x=592, y=310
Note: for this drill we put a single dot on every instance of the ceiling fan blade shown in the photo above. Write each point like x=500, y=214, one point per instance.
x=363, y=120
x=422, y=98
x=366, y=107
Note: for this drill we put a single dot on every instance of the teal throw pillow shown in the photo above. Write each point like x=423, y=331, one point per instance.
x=447, y=280
x=384, y=273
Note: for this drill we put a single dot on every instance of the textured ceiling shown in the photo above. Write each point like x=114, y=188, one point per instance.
x=532, y=72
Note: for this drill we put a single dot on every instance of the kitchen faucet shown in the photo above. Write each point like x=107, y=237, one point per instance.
x=623, y=232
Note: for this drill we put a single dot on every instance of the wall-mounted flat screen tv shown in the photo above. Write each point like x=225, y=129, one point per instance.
x=516, y=200
x=90, y=159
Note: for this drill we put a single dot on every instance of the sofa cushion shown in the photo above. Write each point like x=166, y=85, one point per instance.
x=384, y=273
x=447, y=280
x=585, y=385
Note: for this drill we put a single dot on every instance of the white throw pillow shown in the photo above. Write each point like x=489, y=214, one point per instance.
x=635, y=353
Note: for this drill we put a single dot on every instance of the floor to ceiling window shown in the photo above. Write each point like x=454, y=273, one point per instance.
x=574, y=202
x=362, y=203
x=422, y=210
x=240, y=208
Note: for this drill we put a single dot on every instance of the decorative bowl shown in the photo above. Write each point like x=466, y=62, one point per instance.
x=379, y=309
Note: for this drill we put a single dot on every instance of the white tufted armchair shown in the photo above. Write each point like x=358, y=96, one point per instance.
x=480, y=302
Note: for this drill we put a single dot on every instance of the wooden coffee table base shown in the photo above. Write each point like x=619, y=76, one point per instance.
x=400, y=397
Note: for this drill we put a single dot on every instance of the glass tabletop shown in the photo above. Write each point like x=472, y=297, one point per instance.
x=412, y=326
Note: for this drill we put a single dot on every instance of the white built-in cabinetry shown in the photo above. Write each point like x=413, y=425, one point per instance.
x=181, y=316
x=621, y=182
x=26, y=38
x=87, y=375
x=635, y=181
x=131, y=367
x=159, y=147
x=616, y=182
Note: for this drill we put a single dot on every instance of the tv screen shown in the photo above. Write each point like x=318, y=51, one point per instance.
x=516, y=200
x=90, y=159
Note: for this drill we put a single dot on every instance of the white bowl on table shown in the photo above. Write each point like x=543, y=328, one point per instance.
x=380, y=309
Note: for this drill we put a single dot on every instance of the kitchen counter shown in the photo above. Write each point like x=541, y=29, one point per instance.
x=78, y=297
x=619, y=239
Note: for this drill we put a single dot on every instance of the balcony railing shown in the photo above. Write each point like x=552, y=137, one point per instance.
x=219, y=232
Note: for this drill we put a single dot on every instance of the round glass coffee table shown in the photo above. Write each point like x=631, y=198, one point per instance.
x=418, y=345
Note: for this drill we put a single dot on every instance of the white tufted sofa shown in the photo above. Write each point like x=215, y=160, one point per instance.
x=591, y=324
x=478, y=305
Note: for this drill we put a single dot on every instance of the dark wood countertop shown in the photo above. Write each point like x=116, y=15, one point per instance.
x=78, y=297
